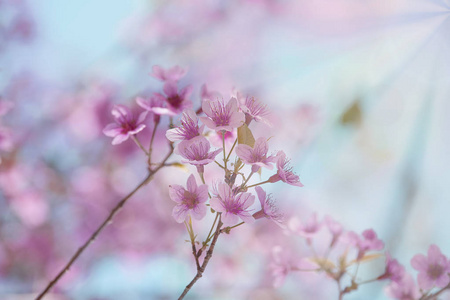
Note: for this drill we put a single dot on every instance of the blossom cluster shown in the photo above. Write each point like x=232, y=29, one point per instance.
x=344, y=253
x=198, y=139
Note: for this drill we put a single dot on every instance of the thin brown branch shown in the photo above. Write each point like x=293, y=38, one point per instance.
x=205, y=262
x=107, y=221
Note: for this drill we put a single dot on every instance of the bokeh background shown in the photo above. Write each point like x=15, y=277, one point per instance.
x=359, y=94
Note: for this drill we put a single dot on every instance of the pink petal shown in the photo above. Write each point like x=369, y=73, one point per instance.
x=170, y=88
x=261, y=195
x=112, y=130
x=158, y=73
x=216, y=204
x=179, y=213
x=120, y=139
x=199, y=212
x=229, y=219
x=419, y=262
x=191, y=184
x=176, y=193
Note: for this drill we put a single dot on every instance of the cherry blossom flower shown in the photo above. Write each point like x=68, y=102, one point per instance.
x=334, y=227
x=188, y=128
x=307, y=229
x=369, y=242
x=149, y=104
x=232, y=206
x=190, y=201
x=254, y=110
x=173, y=74
x=284, y=172
x=268, y=208
x=405, y=289
x=196, y=152
x=221, y=116
x=126, y=124
x=175, y=101
x=433, y=269
x=256, y=156
x=393, y=271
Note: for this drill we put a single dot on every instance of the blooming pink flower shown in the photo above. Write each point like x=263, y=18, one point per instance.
x=268, y=209
x=393, y=271
x=284, y=172
x=307, y=229
x=256, y=156
x=433, y=269
x=190, y=201
x=173, y=74
x=196, y=152
x=405, y=289
x=125, y=124
x=221, y=116
x=232, y=206
x=188, y=128
x=335, y=229
x=369, y=242
x=175, y=102
x=254, y=110
x=149, y=104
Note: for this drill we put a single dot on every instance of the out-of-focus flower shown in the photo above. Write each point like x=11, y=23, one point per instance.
x=126, y=124
x=369, y=242
x=149, y=104
x=221, y=116
x=232, y=206
x=254, y=110
x=176, y=101
x=6, y=139
x=196, y=152
x=285, y=172
x=216, y=138
x=307, y=229
x=433, y=269
x=188, y=128
x=335, y=229
x=268, y=208
x=190, y=201
x=173, y=74
x=405, y=289
x=256, y=156
x=393, y=271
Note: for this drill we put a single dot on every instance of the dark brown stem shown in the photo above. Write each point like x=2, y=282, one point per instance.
x=205, y=262
x=108, y=219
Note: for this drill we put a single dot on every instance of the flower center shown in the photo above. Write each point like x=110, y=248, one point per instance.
x=435, y=271
x=175, y=101
x=190, y=199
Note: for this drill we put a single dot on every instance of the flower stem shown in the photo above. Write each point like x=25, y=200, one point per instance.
x=135, y=139
x=263, y=182
x=227, y=229
x=150, y=148
x=205, y=262
x=234, y=144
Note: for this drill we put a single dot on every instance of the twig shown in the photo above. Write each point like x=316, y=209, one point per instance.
x=205, y=262
x=108, y=219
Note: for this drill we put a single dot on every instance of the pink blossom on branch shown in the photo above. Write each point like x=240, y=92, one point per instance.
x=285, y=172
x=368, y=242
x=433, y=269
x=174, y=101
x=256, y=156
x=190, y=201
x=196, y=152
x=232, y=206
x=393, y=271
x=126, y=124
x=222, y=117
x=254, y=110
x=173, y=74
x=405, y=289
x=268, y=208
x=188, y=128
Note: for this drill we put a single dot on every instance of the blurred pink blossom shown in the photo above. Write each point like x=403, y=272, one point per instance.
x=433, y=269
x=126, y=124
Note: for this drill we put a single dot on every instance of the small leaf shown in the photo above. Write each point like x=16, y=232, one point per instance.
x=367, y=258
x=181, y=166
x=245, y=136
x=323, y=263
x=353, y=115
